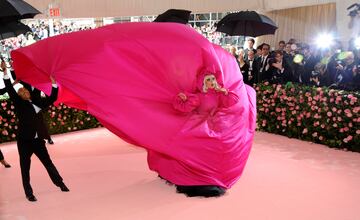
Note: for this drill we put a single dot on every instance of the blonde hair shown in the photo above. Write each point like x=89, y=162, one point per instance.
x=205, y=89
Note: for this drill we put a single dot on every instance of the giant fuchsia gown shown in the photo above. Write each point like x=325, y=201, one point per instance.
x=128, y=76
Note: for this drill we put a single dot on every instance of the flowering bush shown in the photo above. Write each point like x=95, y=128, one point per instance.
x=60, y=119
x=320, y=115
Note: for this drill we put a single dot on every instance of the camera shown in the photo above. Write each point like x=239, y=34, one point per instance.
x=355, y=9
x=315, y=73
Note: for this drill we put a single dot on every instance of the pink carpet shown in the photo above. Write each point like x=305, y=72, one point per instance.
x=109, y=179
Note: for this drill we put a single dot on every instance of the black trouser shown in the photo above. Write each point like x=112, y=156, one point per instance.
x=1, y=155
x=35, y=146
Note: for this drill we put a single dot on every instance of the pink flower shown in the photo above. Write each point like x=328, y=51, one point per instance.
x=349, y=115
x=357, y=131
x=329, y=114
x=13, y=135
x=335, y=125
x=334, y=109
x=322, y=126
x=5, y=132
x=305, y=131
x=321, y=138
x=315, y=134
x=341, y=130
x=346, y=129
x=347, y=111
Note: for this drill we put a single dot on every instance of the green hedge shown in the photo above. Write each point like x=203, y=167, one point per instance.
x=320, y=115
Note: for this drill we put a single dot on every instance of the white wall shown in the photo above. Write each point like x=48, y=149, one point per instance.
x=116, y=8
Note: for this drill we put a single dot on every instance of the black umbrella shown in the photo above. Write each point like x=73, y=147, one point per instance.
x=16, y=10
x=12, y=29
x=246, y=23
x=174, y=15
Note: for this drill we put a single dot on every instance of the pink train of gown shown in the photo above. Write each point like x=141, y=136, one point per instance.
x=127, y=76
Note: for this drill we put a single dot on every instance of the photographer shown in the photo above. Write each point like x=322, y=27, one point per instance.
x=320, y=76
x=346, y=71
x=280, y=70
x=303, y=69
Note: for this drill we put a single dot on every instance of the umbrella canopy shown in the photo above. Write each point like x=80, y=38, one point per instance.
x=12, y=29
x=246, y=23
x=174, y=15
x=16, y=9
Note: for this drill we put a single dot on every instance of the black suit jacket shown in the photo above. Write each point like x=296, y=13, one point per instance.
x=254, y=71
x=30, y=122
x=264, y=74
x=304, y=71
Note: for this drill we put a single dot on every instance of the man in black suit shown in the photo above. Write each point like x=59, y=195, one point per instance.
x=35, y=94
x=252, y=74
x=31, y=133
x=304, y=69
x=263, y=63
x=250, y=47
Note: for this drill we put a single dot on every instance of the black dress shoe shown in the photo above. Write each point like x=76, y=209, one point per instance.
x=31, y=198
x=7, y=165
x=204, y=191
x=64, y=188
x=50, y=141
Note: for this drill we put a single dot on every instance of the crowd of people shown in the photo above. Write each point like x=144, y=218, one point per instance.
x=39, y=30
x=300, y=63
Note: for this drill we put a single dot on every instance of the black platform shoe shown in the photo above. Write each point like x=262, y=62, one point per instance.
x=203, y=191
